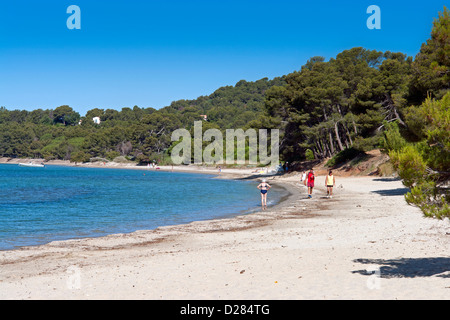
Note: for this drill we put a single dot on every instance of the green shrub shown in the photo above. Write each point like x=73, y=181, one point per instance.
x=344, y=156
x=309, y=154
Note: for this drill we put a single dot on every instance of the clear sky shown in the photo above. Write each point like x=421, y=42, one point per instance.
x=150, y=53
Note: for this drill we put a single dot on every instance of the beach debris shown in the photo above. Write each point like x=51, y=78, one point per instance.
x=242, y=272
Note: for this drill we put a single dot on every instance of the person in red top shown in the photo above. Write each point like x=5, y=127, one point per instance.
x=309, y=182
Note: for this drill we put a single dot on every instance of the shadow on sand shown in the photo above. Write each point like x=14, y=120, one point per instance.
x=408, y=267
x=387, y=179
x=392, y=192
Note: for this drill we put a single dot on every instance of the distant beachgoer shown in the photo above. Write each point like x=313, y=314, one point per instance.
x=264, y=187
x=303, y=176
x=309, y=182
x=330, y=182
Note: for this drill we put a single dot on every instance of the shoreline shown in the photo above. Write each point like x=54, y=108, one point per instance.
x=235, y=172
x=298, y=249
x=229, y=174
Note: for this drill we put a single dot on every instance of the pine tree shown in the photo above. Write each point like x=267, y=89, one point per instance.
x=432, y=64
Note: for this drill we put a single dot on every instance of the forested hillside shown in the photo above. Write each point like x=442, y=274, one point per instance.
x=138, y=134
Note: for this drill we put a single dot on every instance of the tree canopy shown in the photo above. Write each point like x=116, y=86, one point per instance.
x=141, y=134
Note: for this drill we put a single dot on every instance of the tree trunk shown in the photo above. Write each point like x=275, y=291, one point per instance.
x=323, y=150
x=338, y=139
x=349, y=136
x=326, y=149
x=317, y=147
x=331, y=142
x=391, y=110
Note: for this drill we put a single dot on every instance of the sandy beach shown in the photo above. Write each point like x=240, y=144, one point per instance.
x=365, y=243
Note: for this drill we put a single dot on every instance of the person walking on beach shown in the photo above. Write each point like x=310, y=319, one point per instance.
x=264, y=187
x=309, y=182
x=303, y=178
x=330, y=182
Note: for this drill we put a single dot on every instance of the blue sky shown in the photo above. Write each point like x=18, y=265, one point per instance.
x=150, y=53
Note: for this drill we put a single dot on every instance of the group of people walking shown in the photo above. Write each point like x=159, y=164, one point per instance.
x=308, y=179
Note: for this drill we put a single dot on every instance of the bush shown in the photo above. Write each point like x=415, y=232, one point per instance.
x=111, y=155
x=80, y=156
x=424, y=166
x=344, y=156
x=309, y=154
x=366, y=144
x=392, y=138
x=121, y=159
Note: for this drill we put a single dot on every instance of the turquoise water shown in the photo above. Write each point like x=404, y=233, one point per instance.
x=40, y=205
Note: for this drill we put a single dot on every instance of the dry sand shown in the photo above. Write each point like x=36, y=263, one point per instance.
x=365, y=243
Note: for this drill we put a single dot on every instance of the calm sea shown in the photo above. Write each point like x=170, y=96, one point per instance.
x=40, y=205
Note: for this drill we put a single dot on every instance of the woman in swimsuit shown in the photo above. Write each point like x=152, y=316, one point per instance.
x=264, y=187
